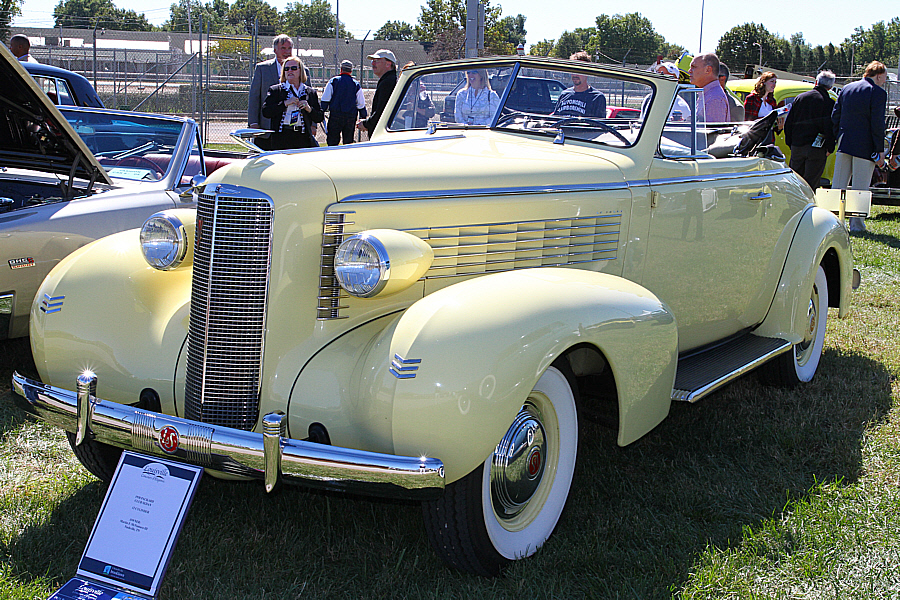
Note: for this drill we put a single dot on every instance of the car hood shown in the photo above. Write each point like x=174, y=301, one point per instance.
x=36, y=136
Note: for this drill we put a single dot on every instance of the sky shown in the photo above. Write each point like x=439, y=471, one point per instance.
x=821, y=21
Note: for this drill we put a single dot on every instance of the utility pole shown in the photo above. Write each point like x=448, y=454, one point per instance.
x=473, y=12
x=337, y=35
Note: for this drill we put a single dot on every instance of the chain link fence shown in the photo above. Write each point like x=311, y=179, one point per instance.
x=203, y=76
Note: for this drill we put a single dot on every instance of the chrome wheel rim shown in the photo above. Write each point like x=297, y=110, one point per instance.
x=803, y=350
x=518, y=464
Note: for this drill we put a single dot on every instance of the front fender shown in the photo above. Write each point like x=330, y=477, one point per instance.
x=105, y=309
x=458, y=364
x=820, y=239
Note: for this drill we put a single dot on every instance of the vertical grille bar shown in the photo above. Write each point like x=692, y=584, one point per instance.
x=330, y=293
x=232, y=256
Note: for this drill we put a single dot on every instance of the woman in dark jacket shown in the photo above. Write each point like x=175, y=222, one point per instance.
x=292, y=106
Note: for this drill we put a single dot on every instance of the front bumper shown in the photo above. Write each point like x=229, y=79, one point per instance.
x=269, y=456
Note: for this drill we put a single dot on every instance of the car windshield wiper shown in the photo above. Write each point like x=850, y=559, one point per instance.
x=151, y=145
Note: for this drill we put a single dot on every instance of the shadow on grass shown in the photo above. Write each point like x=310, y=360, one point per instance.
x=15, y=355
x=635, y=524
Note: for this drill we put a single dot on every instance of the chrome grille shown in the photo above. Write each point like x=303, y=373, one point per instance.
x=494, y=247
x=232, y=255
x=484, y=248
x=330, y=293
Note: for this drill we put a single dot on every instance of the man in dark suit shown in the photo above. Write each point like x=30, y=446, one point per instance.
x=808, y=132
x=267, y=74
x=858, y=121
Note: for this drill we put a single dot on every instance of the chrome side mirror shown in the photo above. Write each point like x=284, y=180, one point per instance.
x=245, y=138
x=198, y=182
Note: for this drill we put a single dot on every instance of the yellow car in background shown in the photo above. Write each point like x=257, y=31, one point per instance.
x=785, y=91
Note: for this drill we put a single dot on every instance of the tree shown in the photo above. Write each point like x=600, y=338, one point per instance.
x=506, y=36
x=315, y=19
x=243, y=13
x=737, y=47
x=398, y=31
x=8, y=10
x=444, y=23
x=542, y=48
x=629, y=37
x=881, y=42
x=87, y=14
x=214, y=15
x=568, y=44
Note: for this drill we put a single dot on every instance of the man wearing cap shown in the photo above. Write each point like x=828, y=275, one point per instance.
x=343, y=99
x=384, y=64
x=267, y=74
x=735, y=106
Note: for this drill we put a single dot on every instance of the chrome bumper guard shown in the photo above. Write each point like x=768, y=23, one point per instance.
x=269, y=456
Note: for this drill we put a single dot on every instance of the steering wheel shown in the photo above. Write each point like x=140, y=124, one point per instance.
x=594, y=122
x=509, y=116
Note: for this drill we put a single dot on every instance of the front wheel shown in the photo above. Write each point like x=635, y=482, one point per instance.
x=799, y=365
x=506, y=508
x=98, y=458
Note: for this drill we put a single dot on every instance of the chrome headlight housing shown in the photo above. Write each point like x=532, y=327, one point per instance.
x=362, y=265
x=381, y=262
x=164, y=241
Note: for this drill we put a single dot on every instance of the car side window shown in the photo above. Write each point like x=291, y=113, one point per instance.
x=66, y=97
x=48, y=86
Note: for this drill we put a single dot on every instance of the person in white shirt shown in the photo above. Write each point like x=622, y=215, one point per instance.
x=20, y=46
x=476, y=103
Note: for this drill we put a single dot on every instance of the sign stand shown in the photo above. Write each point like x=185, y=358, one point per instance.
x=135, y=533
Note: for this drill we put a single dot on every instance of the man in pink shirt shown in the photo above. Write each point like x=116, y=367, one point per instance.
x=704, y=73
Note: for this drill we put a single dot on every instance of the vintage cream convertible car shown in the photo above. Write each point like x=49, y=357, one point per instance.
x=429, y=315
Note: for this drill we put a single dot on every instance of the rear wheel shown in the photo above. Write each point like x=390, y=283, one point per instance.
x=506, y=508
x=98, y=458
x=799, y=365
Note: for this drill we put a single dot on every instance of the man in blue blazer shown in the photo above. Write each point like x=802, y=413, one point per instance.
x=858, y=120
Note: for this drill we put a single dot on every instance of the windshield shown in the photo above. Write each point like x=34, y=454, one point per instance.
x=128, y=146
x=559, y=102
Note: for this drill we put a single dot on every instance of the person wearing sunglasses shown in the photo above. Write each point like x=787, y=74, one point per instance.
x=293, y=107
x=476, y=103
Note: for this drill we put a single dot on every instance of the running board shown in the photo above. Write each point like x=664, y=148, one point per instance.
x=700, y=374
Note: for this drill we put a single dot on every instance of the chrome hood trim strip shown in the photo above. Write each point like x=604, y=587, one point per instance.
x=234, y=451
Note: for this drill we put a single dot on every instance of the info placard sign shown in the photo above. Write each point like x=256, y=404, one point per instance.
x=133, y=537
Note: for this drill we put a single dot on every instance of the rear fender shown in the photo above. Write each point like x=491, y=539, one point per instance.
x=820, y=239
x=458, y=364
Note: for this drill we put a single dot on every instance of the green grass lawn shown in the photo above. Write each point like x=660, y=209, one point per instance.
x=753, y=493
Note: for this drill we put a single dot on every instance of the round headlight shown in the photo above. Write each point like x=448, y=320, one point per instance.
x=361, y=265
x=163, y=241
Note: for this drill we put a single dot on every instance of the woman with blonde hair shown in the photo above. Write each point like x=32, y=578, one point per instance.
x=293, y=107
x=476, y=103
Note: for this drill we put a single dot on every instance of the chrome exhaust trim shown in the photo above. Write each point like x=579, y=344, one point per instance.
x=269, y=456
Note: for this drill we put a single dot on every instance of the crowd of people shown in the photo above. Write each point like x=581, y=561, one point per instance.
x=282, y=101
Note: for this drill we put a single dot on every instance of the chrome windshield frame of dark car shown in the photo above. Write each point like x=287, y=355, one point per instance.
x=189, y=132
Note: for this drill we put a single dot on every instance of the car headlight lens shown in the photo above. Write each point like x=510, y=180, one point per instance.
x=362, y=266
x=164, y=241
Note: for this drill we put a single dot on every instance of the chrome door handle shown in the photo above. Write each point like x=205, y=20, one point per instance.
x=761, y=196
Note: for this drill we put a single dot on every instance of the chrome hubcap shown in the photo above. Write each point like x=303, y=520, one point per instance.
x=812, y=319
x=518, y=463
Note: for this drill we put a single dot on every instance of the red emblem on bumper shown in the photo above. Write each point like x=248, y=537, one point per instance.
x=168, y=439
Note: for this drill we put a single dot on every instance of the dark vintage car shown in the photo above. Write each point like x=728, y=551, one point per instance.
x=64, y=88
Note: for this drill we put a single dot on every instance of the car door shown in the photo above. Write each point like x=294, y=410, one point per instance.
x=719, y=232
